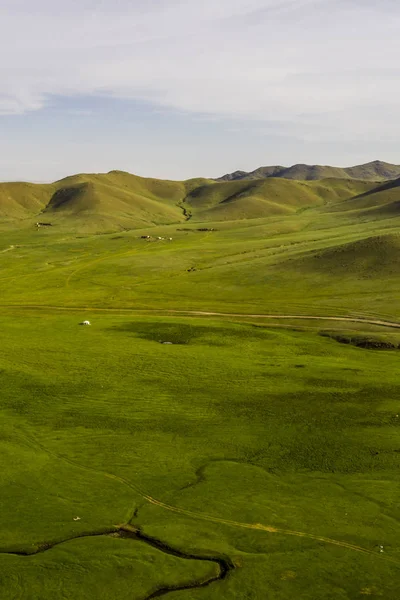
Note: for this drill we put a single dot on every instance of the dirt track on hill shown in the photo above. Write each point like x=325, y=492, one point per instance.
x=201, y=313
x=7, y=249
x=379, y=322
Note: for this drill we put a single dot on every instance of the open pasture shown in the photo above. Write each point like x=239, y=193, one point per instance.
x=273, y=449
x=228, y=426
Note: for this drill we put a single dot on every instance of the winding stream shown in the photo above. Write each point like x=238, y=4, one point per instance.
x=225, y=565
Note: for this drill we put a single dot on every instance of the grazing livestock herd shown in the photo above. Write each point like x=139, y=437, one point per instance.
x=151, y=238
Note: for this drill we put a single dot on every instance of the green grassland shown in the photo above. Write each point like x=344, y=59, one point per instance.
x=254, y=457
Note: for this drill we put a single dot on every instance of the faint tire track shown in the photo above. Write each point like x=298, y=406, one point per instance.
x=213, y=519
x=201, y=313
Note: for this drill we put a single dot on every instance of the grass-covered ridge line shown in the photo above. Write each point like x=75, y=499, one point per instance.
x=117, y=200
x=373, y=171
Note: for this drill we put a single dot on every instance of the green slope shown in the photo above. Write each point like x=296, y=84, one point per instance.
x=119, y=200
x=264, y=198
x=115, y=200
x=372, y=257
x=19, y=200
x=97, y=202
x=243, y=199
x=379, y=202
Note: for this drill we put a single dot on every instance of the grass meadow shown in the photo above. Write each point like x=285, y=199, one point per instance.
x=259, y=442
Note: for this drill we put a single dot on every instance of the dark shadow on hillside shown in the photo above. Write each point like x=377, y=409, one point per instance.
x=185, y=333
x=65, y=196
x=389, y=185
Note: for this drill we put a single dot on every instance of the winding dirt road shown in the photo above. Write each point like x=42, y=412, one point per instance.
x=200, y=313
x=380, y=322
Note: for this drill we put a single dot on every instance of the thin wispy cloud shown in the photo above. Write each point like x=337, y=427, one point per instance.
x=319, y=66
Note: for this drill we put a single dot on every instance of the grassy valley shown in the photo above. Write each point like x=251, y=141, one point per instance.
x=228, y=425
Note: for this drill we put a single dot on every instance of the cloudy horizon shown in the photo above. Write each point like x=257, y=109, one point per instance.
x=180, y=89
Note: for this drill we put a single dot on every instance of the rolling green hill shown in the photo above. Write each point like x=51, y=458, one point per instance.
x=263, y=198
x=115, y=200
x=119, y=200
x=98, y=202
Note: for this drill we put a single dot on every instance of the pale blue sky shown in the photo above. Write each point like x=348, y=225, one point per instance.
x=177, y=89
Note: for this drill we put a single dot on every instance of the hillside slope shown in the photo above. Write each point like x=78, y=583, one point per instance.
x=119, y=200
x=94, y=202
x=371, y=257
x=260, y=173
x=21, y=200
x=269, y=197
x=380, y=202
x=116, y=199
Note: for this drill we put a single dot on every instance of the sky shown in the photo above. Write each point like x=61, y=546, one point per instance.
x=177, y=89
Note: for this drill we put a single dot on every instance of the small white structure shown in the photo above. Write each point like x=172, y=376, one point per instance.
x=85, y=323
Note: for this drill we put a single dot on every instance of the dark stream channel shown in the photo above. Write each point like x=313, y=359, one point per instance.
x=225, y=565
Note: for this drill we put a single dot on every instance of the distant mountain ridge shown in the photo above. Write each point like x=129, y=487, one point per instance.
x=372, y=171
